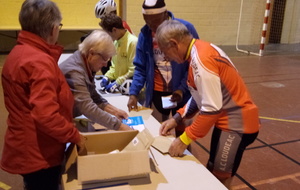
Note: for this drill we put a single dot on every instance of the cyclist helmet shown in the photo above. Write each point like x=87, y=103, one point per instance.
x=125, y=86
x=104, y=7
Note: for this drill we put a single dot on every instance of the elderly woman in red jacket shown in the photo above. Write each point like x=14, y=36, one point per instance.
x=38, y=100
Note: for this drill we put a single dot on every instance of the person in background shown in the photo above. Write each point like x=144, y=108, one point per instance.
x=38, y=100
x=159, y=76
x=80, y=69
x=105, y=7
x=220, y=100
x=122, y=67
x=102, y=8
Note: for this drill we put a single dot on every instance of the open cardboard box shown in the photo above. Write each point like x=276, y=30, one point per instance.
x=131, y=160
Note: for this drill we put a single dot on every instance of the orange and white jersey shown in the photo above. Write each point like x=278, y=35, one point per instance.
x=220, y=93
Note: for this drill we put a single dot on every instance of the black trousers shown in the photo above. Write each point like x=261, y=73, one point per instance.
x=45, y=179
x=227, y=148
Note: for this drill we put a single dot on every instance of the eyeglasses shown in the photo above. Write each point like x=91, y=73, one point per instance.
x=106, y=60
x=60, y=26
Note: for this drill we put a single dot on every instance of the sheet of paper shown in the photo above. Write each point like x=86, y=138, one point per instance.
x=162, y=144
x=167, y=103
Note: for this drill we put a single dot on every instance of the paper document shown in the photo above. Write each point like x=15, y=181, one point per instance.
x=162, y=144
x=167, y=103
x=136, y=123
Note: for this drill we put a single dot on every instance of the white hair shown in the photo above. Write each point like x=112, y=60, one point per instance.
x=171, y=29
x=100, y=41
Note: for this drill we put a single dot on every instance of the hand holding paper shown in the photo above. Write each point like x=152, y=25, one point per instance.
x=177, y=96
x=167, y=103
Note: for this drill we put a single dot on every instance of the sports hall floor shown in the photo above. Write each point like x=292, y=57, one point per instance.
x=272, y=162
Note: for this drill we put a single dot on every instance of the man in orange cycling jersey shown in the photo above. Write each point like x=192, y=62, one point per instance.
x=220, y=100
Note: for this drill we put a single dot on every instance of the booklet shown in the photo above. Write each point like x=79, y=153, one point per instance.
x=135, y=122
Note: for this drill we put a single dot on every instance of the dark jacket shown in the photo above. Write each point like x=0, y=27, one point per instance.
x=144, y=66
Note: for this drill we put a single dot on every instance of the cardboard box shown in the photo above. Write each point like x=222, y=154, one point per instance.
x=129, y=160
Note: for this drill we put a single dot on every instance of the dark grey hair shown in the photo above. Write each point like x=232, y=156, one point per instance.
x=39, y=17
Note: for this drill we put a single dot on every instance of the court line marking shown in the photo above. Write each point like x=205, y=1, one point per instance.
x=270, y=181
x=276, y=119
x=4, y=186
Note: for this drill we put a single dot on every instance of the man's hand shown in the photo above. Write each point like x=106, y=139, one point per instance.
x=132, y=103
x=177, y=96
x=166, y=126
x=177, y=148
x=121, y=114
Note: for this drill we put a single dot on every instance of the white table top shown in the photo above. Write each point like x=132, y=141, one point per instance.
x=171, y=173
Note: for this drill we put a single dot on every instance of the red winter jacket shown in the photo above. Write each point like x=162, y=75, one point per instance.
x=40, y=105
